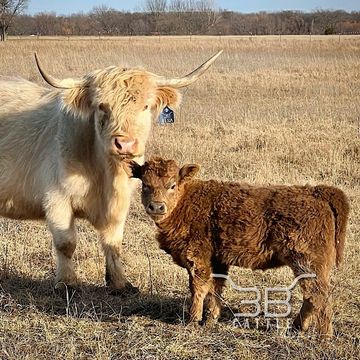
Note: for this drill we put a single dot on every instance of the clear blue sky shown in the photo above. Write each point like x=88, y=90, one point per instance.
x=72, y=6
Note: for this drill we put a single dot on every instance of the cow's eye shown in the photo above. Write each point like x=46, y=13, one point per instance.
x=173, y=186
x=146, y=107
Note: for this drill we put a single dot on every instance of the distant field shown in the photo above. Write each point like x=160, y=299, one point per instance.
x=271, y=110
x=188, y=37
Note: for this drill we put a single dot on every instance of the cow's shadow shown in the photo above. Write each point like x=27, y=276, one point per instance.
x=92, y=302
x=97, y=303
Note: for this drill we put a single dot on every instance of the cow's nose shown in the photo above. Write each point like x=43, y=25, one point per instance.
x=156, y=208
x=124, y=145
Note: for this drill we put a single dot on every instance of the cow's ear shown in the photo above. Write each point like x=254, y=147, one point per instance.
x=105, y=108
x=81, y=100
x=133, y=169
x=167, y=96
x=105, y=113
x=187, y=172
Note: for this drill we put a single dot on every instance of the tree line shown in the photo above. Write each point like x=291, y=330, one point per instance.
x=189, y=17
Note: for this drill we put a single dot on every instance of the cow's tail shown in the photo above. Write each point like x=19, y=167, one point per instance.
x=340, y=207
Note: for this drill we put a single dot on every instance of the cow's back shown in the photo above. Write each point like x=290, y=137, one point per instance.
x=28, y=126
x=17, y=95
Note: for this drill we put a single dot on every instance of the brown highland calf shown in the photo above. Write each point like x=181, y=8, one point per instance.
x=207, y=226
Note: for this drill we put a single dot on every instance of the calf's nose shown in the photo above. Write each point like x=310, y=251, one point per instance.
x=156, y=208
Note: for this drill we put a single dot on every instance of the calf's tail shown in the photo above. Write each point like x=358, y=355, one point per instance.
x=339, y=205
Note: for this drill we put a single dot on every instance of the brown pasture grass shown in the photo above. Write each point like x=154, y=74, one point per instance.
x=271, y=110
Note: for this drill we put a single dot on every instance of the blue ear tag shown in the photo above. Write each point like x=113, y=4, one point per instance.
x=166, y=116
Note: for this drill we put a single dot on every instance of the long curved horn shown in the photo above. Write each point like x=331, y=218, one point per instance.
x=189, y=78
x=56, y=83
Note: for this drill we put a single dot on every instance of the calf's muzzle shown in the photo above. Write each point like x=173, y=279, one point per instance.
x=156, y=208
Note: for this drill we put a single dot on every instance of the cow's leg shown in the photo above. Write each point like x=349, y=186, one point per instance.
x=216, y=290
x=112, y=245
x=111, y=239
x=60, y=219
x=200, y=283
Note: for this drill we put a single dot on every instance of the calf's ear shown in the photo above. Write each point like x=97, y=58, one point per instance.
x=133, y=169
x=188, y=171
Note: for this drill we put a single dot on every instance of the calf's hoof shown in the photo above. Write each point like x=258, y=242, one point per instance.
x=326, y=331
x=301, y=325
x=296, y=326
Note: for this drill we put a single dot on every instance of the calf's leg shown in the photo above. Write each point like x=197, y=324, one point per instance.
x=304, y=319
x=215, y=291
x=200, y=282
x=316, y=305
x=215, y=299
x=323, y=306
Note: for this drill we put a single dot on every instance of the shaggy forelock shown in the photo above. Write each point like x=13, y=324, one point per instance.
x=124, y=90
x=159, y=167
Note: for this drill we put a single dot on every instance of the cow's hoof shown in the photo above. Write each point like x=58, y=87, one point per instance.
x=211, y=322
x=127, y=290
x=130, y=289
x=191, y=323
x=64, y=290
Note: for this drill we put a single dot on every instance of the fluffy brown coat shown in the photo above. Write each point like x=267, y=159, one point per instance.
x=207, y=226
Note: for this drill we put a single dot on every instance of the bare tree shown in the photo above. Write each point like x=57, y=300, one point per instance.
x=9, y=9
x=106, y=20
x=184, y=17
x=156, y=6
x=194, y=16
x=192, y=5
x=205, y=5
x=46, y=23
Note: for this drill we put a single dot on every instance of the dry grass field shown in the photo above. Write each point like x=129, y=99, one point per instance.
x=268, y=111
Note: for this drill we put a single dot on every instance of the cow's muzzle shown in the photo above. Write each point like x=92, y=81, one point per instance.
x=125, y=145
